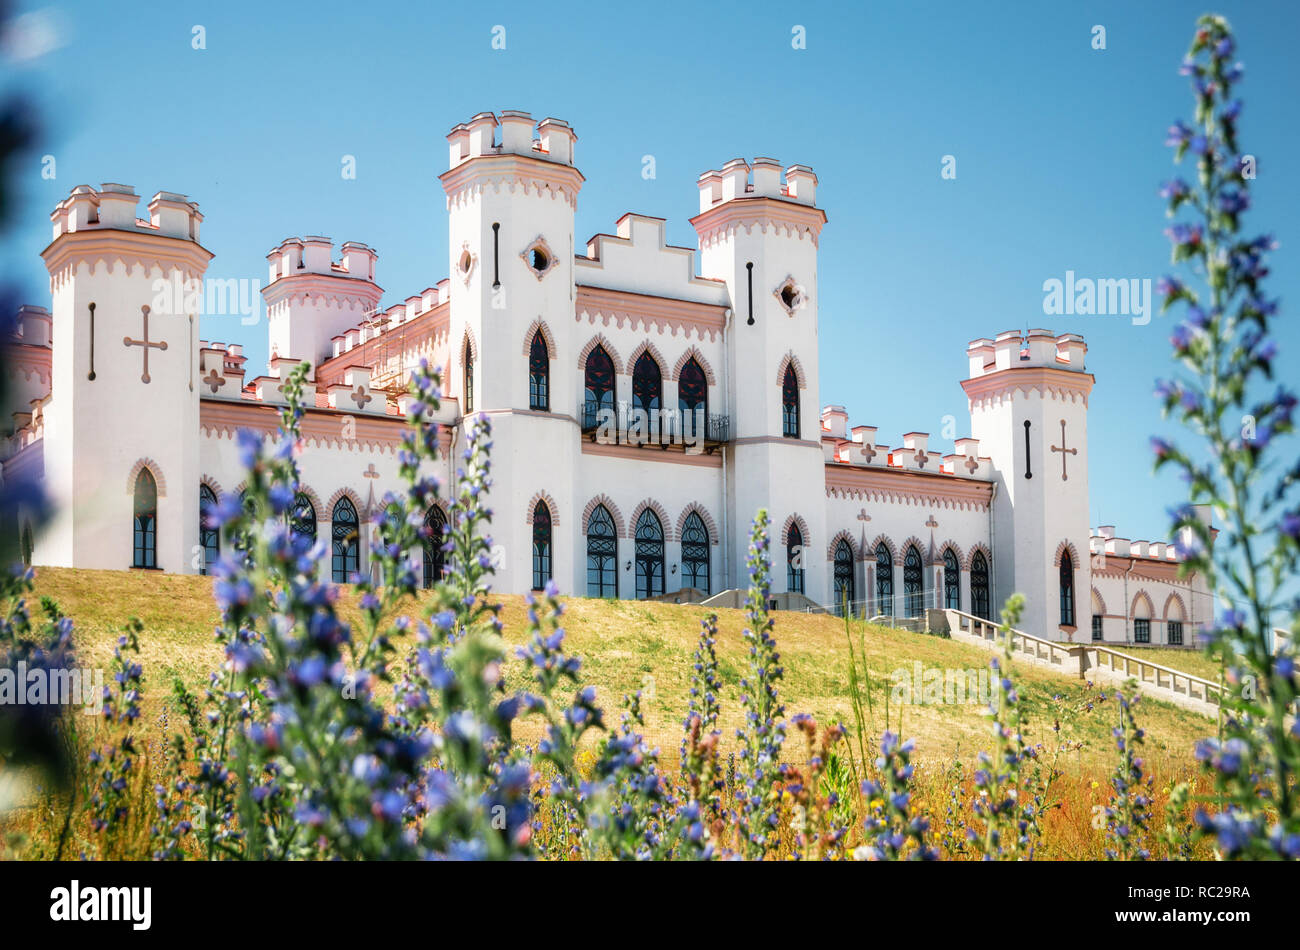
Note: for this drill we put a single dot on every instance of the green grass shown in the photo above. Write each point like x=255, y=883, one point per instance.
x=630, y=645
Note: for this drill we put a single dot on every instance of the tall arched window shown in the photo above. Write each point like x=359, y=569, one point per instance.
x=1067, y=590
x=794, y=560
x=302, y=517
x=241, y=538
x=539, y=375
x=602, y=554
x=649, y=555
x=884, y=580
x=598, y=386
x=347, y=537
x=979, y=586
x=647, y=384
x=843, y=573
x=913, y=582
x=695, y=553
x=209, y=534
x=951, y=580
x=1141, y=620
x=145, y=548
x=468, y=380
x=435, y=559
x=541, y=545
x=1173, y=623
x=790, y=403
x=693, y=398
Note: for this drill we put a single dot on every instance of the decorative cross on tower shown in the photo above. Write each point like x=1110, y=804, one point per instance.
x=146, y=343
x=931, y=523
x=971, y=464
x=868, y=453
x=360, y=397
x=214, y=380
x=1064, y=452
x=921, y=458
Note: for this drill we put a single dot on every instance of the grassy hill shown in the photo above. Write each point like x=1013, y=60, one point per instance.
x=630, y=645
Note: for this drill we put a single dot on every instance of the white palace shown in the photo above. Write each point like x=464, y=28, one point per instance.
x=646, y=401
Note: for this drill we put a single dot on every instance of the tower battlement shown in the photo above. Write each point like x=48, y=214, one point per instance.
x=478, y=137
x=114, y=207
x=315, y=255
x=1016, y=349
x=760, y=179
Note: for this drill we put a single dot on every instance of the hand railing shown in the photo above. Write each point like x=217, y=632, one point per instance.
x=1121, y=664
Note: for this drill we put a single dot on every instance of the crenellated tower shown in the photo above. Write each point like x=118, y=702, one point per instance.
x=1028, y=398
x=759, y=234
x=511, y=199
x=127, y=294
x=312, y=298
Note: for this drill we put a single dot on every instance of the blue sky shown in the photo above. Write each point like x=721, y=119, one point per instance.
x=1058, y=152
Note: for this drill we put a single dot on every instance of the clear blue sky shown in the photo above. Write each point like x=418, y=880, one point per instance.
x=1058, y=148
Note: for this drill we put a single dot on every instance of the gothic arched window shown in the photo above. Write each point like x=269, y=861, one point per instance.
x=843, y=573
x=209, y=533
x=302, y=517
x=435, y=559
x=541, y=545
x=347, y=537
x=790, y=404
x=468, y=380
x=649, y=555
x=1173, y=622
x=145, y=524
x=794, y=560
x=1067, y=590
x=647, y=384
x=979, y=586
x=695, y=553
x=884, y=580
x=951, y=580
x=602, y=554
x=913, y=582
x=539, y=375
x=693, y=398
x=598, y=386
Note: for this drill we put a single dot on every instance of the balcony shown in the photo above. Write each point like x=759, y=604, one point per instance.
x=662, y=429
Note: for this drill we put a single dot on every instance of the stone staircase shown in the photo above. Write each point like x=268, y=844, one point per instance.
x=1086, y=661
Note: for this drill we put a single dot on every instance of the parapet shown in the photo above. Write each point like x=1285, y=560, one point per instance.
x=835, y=420
x=1016, y=349
x=762, y=179
x=315, y=255
x=478, y=137
x=221, y=370
x=857, y=446
x=114, y=207
x=32, y=326
x=1103, y=541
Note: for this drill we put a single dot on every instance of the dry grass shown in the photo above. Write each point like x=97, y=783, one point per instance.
x=630, y=645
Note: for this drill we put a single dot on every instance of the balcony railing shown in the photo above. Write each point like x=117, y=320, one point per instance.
x=623, y=424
